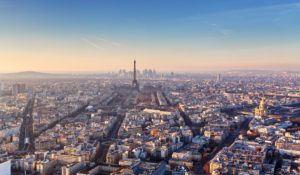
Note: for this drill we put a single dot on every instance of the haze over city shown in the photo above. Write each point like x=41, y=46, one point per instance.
x=149, y=87
x=171, y=35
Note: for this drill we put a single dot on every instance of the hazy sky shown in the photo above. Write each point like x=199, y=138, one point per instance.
x=168, y=35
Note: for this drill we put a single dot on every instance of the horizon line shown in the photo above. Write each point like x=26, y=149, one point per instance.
x=166, y=71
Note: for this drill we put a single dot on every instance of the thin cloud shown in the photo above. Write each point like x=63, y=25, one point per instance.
x=108, y=42
x=100, y=43
x=226, y=32
x=280, y=8
x=102, y=39
x=284, y=6
x=91, y=43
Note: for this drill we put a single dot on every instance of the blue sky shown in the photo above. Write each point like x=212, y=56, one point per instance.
x=164, y=34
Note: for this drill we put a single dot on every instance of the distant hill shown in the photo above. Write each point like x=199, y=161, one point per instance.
x=41, y=75
x=28, y=74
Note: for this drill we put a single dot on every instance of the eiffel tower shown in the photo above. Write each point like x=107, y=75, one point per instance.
x=135, y=84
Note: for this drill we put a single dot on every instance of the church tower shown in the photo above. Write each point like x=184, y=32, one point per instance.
x=261, y=110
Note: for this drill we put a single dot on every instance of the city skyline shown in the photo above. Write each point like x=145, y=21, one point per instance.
x=149, y=87
x=98, y=36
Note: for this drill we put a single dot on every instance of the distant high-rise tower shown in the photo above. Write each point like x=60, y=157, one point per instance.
x=18, y=88
x=1, y=88
x=219, y=78
x=135, y=83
